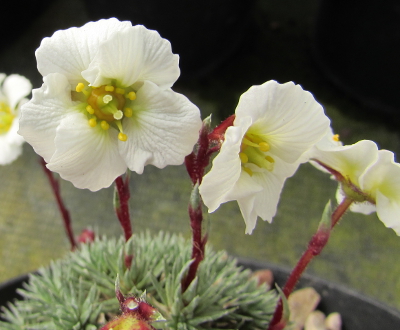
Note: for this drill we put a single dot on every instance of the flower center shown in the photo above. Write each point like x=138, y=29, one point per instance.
x=106, y=105
x=253, y=153
x=6, y=118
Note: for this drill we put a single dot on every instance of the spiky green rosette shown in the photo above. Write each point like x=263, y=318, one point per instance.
x=78, y=292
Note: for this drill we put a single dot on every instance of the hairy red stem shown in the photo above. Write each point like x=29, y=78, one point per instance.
x=122, y=209
x=315, y=247
x=198, y=244
x=55, y=186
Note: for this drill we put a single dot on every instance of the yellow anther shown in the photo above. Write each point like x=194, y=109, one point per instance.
x=120, y=90
x=264, y=146
x=128, y=112
x=247, y=170
x=122, y=137
x=80, y=87
x=243, y=157
x=109, y=88
x=92, y=122
x=270, y=159
x=131, y=96
x=336, y=138
x=90, y=109
x=104, y=125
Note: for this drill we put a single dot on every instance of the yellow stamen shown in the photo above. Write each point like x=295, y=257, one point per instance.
x=247, y=170
x=270, y=159
x=92, y=122
x=109, y=88
x=122, y=137
x=120, y=90
x=104, y=125
x=264, y=146
x=336, y=138
x=131, y=96
x=243, y=157
x=80, y=87
x=90, y=109
x=128, y=112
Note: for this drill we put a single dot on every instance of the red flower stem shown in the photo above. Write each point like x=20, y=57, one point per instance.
x=315, y=247
x=55, y=186
x=198, y=244
x=122, y=209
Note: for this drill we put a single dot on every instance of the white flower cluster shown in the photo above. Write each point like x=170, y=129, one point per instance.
x=106, y=105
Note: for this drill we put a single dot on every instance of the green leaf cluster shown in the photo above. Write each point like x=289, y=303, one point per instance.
x=78, y=292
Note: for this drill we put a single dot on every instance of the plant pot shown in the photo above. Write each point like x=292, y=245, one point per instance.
x=358, y=312
x=204, y=33
x=357, y=45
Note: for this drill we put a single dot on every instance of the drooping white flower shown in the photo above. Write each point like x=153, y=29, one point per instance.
x=274, y=125
x=106, y=104
x=368, y=176
x=13, y=90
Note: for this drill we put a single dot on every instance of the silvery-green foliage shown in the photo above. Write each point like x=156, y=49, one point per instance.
x=78, y=291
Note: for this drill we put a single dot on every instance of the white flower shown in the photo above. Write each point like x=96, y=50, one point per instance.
x=275, y=124
x=368, y=176
x=13, y=90
x=106, y=104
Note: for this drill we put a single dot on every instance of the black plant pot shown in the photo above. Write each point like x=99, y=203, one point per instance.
x=357, y=45
x=358, y=312
x=204, y=33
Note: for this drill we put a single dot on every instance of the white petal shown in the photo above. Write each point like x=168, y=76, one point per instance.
x=351, y=161
x=265, y=202
x=162, y=131
x=134, y=54
x=388, y=211
x=226, y=168
x=289, y=117
x=10, y=144
x=249, y=213
x=43, y=113
x=70, y=51
x=382, y=181
x=86, y=156
x=15, y=88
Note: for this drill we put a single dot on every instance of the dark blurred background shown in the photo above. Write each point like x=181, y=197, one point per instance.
x=345, y=52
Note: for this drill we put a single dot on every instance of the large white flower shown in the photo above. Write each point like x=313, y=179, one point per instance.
x=106, y=104
x=368, y=176
x=274, y=125
x=13, y=90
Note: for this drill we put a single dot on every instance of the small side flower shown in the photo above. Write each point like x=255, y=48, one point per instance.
x=275, y=125
x=12, y=92
x=369, y=177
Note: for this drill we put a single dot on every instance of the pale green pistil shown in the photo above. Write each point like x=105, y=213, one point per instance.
x=253, y=151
